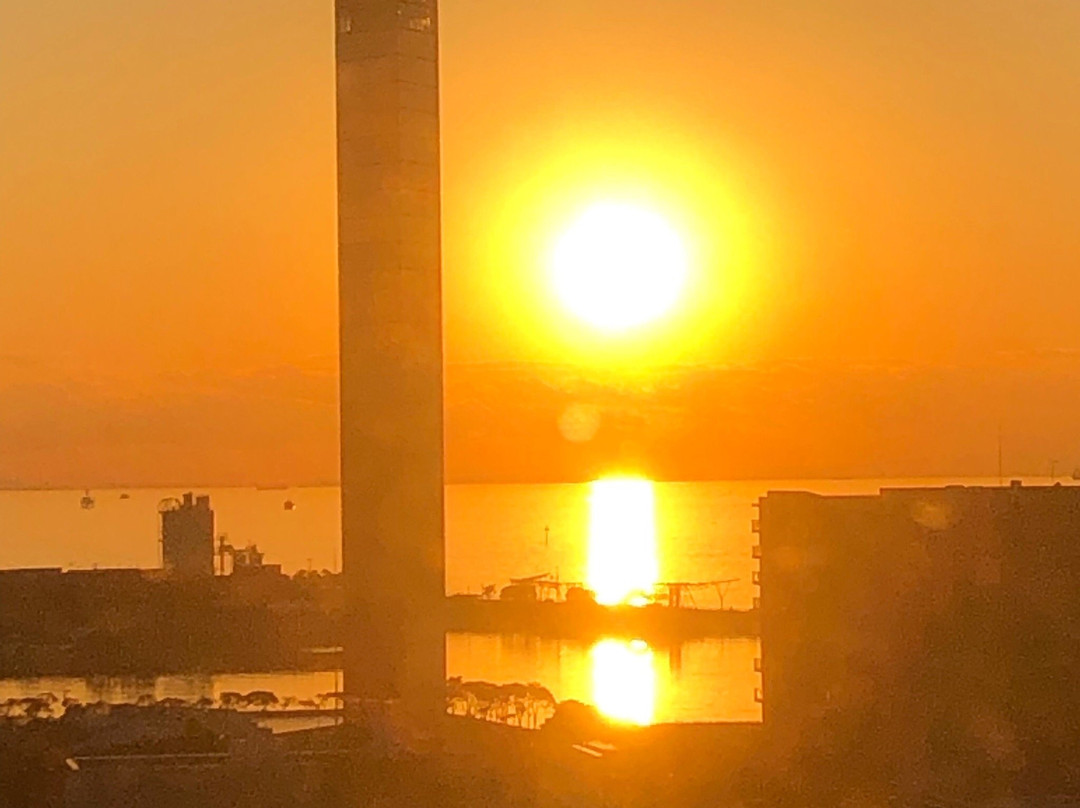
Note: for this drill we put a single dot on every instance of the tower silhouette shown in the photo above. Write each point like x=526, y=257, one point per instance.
x=391, y=350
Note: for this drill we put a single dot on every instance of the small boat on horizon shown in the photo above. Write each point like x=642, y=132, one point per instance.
x=87, y=501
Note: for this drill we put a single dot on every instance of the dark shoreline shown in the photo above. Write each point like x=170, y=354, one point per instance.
x=132, y=623
x=657, y=625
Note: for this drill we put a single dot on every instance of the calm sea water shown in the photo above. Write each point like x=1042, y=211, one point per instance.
x=710, y=680
x=493, y=533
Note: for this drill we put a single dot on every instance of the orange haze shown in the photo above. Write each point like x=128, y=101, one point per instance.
x=880, y=202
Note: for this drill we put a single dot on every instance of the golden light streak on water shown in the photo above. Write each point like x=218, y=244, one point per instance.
x=623, y=562
x=624, y=681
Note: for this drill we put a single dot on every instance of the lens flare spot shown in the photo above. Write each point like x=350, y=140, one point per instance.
x=579, y=423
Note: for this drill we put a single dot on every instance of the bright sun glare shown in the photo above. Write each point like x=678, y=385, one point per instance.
x=624, y=681
x=619, y=266
x=622, y=564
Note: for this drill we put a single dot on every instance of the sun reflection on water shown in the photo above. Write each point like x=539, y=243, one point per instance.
x=622, y=540
x=624, y=681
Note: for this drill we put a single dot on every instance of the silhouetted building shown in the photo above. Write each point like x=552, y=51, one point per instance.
x=391, y=348
x=934, y=631
x=187, y=536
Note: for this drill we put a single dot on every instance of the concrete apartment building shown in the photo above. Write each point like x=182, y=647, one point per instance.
x=937, y=628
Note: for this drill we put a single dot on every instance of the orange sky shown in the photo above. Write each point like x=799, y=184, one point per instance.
x=881, y=198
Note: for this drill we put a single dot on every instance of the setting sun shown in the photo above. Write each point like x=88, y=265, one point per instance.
x=619, y=266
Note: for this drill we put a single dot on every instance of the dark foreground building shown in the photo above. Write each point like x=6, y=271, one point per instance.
x=926, y=637
x=391, y=349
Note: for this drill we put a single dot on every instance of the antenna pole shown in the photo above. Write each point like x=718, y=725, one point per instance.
x=1001, y=465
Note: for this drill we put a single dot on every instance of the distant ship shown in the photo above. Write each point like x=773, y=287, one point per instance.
x=125, y=496
x=290, y=505
x=87, y=502
x=1076, y=474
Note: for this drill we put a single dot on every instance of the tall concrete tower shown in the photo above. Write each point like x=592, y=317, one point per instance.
x=391, y=349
